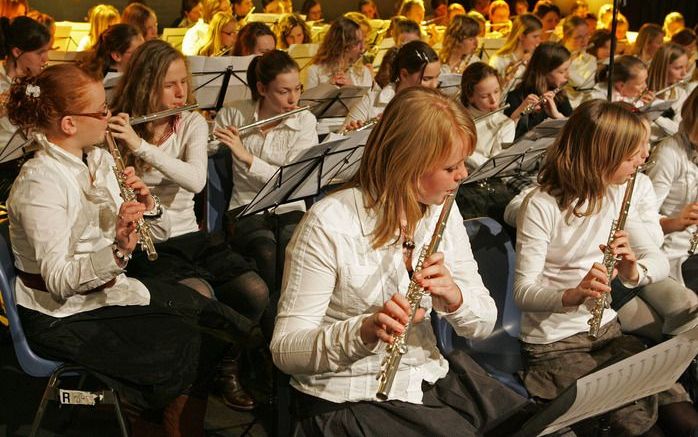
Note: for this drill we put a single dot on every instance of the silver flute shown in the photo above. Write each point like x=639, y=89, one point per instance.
x=609, y=260
x=532, y=107
x=398, y=347
x=484, y=116
x=161, y=114
x=145, y=235
x=693, y=244
x=265, y=121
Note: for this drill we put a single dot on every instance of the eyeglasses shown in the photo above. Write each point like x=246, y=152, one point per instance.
x=98, y=115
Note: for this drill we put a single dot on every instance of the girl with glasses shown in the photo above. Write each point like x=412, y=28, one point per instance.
x=73, y=236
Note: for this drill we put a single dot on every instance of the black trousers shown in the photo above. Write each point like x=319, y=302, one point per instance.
x=152, y=353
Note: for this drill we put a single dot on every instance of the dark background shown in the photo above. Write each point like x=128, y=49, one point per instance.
x=637, y=11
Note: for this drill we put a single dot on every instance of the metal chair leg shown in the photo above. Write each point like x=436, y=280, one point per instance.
x=48, y=394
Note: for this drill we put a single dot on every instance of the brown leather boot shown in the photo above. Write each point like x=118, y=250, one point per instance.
x=227, y=385
x=184, y=417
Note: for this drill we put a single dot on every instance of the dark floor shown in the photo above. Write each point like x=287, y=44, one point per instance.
x=20, y=395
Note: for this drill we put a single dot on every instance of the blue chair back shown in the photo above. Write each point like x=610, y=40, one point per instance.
x=500, y=353
x=31, y=363
x=218, y=189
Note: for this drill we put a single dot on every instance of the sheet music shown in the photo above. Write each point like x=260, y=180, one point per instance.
x=449, y=84
x=655, y=109
x=111, y=80
x=303, y=53
x=643, y=374
x=522, y=154
x=303, y=178
x=331, y=101
x=207, y=78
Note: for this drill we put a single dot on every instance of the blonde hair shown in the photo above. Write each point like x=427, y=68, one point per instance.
x=689, y=115
x=139, y=91
x=672, y=17
x=460, y=28
x=498, y=4
x=598, y=137
x=209, y=8
x=339, y=38
x=416, y=133
x=647, y=33
x=658, y=72
x=213, y=44
x=101, y=17
x=523, y=25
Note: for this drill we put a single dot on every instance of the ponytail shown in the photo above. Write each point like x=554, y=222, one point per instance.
x=264, y=69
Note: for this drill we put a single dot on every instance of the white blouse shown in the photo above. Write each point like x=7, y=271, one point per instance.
x=194, y=38
x=675, y=179
x=334, y=279
x=62, y=226
x=554, y=253
x=372, y=104
x=317, y=74
x=492, y=132
x=178, y=170
x=272, y=149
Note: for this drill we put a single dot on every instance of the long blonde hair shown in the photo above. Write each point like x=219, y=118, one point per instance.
x=596, y=139
x=415, y=134
x=460, y=28
x=101, y=17
x=658, y=72
x=523, y=25
x=213, y=44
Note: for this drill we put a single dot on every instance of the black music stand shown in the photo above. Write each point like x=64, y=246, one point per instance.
x=305, y=177
x=16, y=146
x=521, y=155
x=615, y=384
x=330, y=101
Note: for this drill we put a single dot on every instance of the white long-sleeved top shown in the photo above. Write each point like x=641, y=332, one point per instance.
x=317, y=74
x=491, y=133
x=334, y=279
x=194, y=38
x=582, y=77
x=446, y=69
x=178, y=170
x=372, y=104
x=554, y=253
x=644, y=204
x=501, y=63
x=277, y=147
x=62, y=226
x=675, y=179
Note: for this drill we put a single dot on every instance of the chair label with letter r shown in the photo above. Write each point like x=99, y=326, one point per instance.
x=76, y=397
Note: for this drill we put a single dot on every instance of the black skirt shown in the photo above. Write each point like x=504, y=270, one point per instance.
x=152, y=353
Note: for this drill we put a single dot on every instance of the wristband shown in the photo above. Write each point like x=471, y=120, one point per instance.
x=156, y=212
x=124, y=257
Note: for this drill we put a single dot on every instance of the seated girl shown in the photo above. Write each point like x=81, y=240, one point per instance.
x=349, y=265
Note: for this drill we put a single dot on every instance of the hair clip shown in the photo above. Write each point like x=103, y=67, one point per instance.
x=32, y=91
